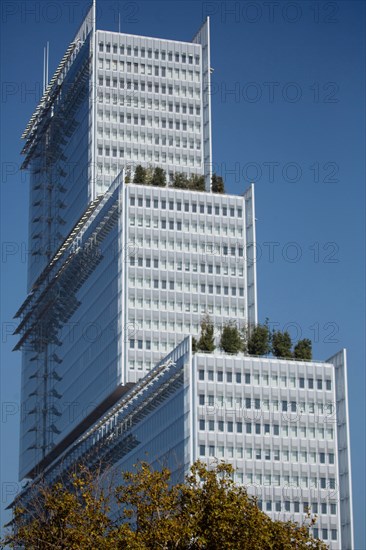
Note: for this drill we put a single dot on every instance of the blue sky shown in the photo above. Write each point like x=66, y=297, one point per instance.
x=288, y=113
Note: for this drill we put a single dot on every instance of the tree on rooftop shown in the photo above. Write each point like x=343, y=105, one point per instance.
x=218, y=185
x=196, y=182
x=140, y=174
x=159, y=177
x=206, y=341
x=259, y=342
x=303, y=350
x=281, y=344
x=231, y=340
x=180, y=180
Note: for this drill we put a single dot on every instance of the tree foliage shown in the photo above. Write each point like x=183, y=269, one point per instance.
x=303, y=350
x=158, y=177
x=218, y=185
x=139, y=175
x=74, y=517
x=259, y=341
x=206, y=512
x=206, y=340
x=231, y=340
x=281, y=344
x=193, y=182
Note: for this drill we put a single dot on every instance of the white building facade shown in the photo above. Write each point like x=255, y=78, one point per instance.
x=282, y=424
x=121, y=274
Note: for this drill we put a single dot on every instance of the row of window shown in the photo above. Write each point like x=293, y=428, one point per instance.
x=230, y=403
x=142, y=103
x=112, y=151
x=134, y=101
x=141, y=365
x=276, y=480
x=148, y=69
x=266, y=380
x=309, y=432
x=149, y=53
x=266, y=429
x=139, y=344
x=196, y=228
x=160, y=123
x=171, y=305
x=149, y=155
x=288, y=506
x=178, y=90
x=163, y=284
x=124, y=134
x=202, y=208
x=188, y=246
x=325, y=533
x=187, y=266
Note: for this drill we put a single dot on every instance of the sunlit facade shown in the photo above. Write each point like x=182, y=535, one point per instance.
x=120, y=275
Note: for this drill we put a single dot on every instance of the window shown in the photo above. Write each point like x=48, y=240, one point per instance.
x=201, y=374
x=219, y=376
x=201, y=399
x=302, y=382
x=239, y=427
x=276, y=429
x=229, y=377
x=328, y=385
x=211, y=425
x=229, y=426
x=247, y=378
x=248, y=428
x=202, y=450
x=202, y=424
x=257, y=429
x=319, y=384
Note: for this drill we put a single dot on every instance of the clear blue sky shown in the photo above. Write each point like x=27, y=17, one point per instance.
x=294, y=123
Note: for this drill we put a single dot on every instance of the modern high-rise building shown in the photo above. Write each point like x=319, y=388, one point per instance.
x=121, y=274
